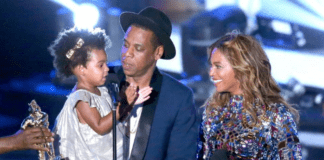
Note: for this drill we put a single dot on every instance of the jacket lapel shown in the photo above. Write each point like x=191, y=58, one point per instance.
x=145, y=123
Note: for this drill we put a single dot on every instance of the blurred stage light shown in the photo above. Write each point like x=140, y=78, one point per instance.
x=86, y=16
x=281, y=27
x=68, y=4
x=296, y=87
x=114, y=11
x=319, y=99
x=204, y=29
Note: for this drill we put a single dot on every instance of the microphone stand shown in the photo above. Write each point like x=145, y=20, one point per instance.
x=114, y=90
x=114, y=133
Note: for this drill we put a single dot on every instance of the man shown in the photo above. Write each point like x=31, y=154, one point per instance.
x=165, y=126
x=26, y=139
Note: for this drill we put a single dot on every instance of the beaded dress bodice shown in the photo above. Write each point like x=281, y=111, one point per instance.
x=231, y=128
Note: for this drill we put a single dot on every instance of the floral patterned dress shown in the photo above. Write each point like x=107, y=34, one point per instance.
x=228, y=128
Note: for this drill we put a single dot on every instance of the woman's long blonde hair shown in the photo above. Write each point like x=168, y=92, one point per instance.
x=253, y=70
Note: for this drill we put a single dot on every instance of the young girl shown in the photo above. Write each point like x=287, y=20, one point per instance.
x=83, y=127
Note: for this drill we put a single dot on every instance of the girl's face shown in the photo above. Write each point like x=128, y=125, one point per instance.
x=222, y=74
x=96, y=69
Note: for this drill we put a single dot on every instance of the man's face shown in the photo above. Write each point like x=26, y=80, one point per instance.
x=138, y=55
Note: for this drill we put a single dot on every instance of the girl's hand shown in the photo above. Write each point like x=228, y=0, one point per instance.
x=131, y=94
x=128, y=95
x=143, y=95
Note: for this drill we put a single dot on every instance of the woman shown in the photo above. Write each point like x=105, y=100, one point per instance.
x=246, y=116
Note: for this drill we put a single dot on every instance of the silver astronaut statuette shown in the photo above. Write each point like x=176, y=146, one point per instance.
x=37, y=118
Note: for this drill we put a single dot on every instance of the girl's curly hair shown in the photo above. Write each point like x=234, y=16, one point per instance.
x=67, y=40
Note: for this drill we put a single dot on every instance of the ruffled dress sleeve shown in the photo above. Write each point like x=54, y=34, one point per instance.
x=82, y=95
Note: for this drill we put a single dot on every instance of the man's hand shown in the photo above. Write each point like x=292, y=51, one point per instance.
x=27, y=139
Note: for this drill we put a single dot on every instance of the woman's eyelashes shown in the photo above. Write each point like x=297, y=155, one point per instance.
x=125, y=45
x=218, y=66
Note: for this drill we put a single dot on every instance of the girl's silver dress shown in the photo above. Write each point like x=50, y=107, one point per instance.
x=75, y=140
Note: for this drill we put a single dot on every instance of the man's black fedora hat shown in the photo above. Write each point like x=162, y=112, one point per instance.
x=155, y=20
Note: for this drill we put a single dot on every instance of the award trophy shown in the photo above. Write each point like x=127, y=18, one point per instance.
x=37, y=118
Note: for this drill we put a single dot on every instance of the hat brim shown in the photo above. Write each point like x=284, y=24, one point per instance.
x=128, y=18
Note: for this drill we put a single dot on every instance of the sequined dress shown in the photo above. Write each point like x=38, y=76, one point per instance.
x=228, y=128
x=75, y=140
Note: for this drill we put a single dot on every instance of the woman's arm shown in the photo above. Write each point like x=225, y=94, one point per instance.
x=285, y=135
x=200, y=143
x=201, y=140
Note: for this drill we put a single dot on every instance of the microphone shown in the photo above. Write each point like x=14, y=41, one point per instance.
x=118, y=96
x=113, y=89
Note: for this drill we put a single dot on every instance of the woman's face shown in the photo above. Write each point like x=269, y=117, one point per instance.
x=222, y=74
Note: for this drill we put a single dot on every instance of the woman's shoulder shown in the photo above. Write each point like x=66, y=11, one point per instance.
x=279, y=109
x=280, y=114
